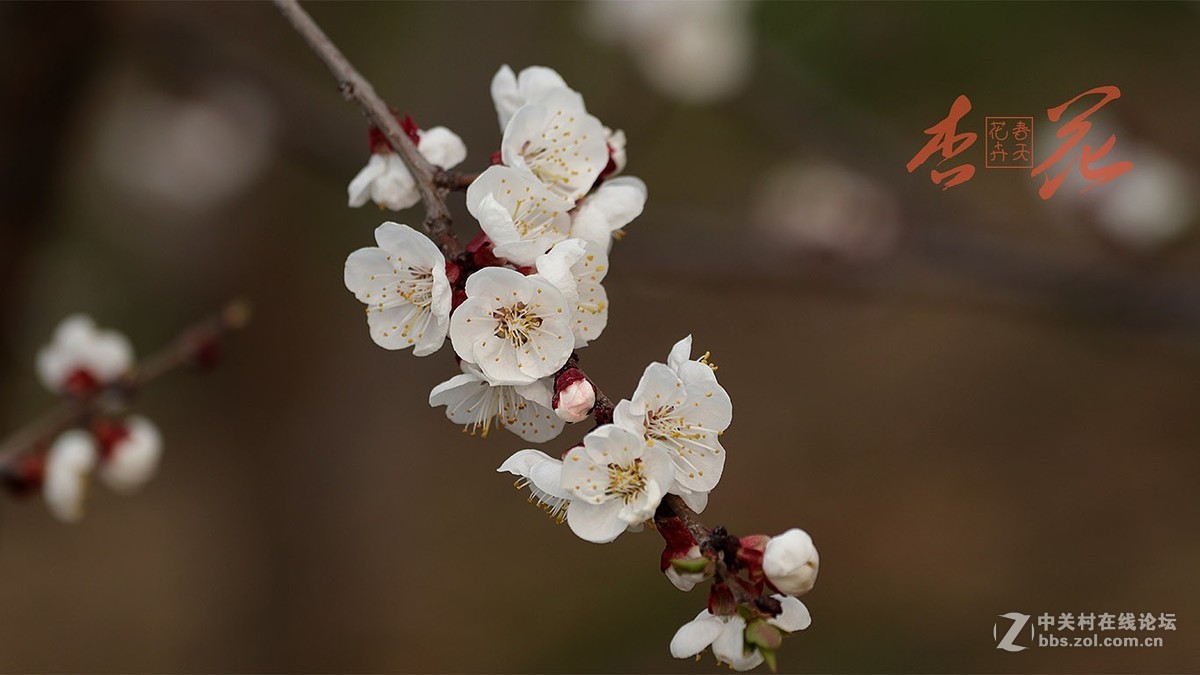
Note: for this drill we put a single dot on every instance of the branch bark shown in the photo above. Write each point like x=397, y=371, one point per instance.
x=356, y=88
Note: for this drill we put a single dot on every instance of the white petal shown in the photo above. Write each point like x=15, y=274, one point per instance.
x=521, y=216
x=583, y=478
x=681, y=582
x=558, y=142
x=360, y=186
x=442, y=147
x=642, y=507
x=504, y=94
x=415, y=248
x=680, y=352
x=696, y=501
x=597, y=523
x=696, y=635
x=555, y=266
x=135, y=458
x=535, y=83
x=395, y=189
x=612, y=206
x=68, y=464
x=794, y=616
x=730, y=646
x=368, y=272
x=510, y=92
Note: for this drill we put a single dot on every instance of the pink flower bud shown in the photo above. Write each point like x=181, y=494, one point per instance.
x=574, y=396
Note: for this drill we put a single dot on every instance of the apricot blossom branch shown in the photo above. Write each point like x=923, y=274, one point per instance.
x=517, y=304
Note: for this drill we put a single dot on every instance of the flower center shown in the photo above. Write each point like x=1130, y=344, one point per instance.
x=626, y=482
x=417, y=288
x=516, y=324
x=662, y=424
x=531, y=219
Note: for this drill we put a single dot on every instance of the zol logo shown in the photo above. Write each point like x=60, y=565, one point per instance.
x=1008, y=642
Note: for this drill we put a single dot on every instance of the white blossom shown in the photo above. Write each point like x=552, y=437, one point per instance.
x=1146, y=208
x=576, y=400
x=403, y=283
x=542, y=474
x=387, y=181
x=681, y=407
x=522, y=217
x=133, y=458
x=80, y=356
x=559, y=142
x=790, y=562
x=607, y=209
x=615, y=480
x=697, y=51
x=517, y=329
x=69, y=465
x=726, y=634
x=577, y=268
x=826, y=209
x=511, y=92
x=524, y=410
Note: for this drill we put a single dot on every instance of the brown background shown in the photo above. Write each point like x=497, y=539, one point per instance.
x=999, y=417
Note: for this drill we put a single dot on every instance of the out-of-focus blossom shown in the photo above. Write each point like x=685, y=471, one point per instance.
x=1148, y=207
x=698, y=51
x=130, y=457
x=191, y=152
x=826, y=209
x=69, y=465
x=81, y=358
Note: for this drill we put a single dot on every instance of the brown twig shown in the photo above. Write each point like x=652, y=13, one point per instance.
x=356, y=88
x=191, y=346
x=455, y=181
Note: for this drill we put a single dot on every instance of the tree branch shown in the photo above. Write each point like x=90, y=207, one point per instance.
x=194, y=345
x=356, y=88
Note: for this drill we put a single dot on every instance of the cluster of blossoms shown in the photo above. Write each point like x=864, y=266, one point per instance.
x=82, y=362
x=519, y=303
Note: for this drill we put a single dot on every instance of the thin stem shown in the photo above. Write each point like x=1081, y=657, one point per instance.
x=192, y=345
x=356, y=88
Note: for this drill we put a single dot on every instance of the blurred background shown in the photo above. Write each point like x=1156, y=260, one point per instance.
x=976, y=401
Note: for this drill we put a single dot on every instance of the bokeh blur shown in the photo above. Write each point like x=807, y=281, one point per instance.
x=976, y=401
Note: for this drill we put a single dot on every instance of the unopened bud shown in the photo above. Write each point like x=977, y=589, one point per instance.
x=790, y=562
x=574, y=396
